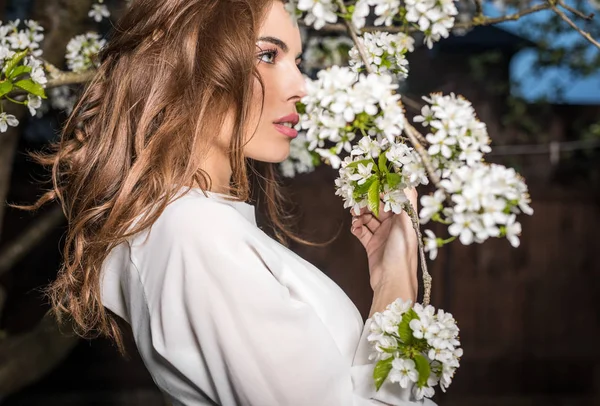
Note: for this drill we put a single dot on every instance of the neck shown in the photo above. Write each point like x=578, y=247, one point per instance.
x=216, y=165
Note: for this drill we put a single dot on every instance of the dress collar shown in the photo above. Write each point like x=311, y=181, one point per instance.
x=245, y=209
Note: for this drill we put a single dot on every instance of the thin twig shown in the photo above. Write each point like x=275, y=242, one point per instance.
x=412, y=135
x=476, y=21
x=426, y=275
x=413, y=104
x=575, y=11
x=62, y=79
x=478, y=8
x=572, y=24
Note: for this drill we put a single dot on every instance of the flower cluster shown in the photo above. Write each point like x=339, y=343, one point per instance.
x=13, y=39
x=414, y=347
x=386, y=52
x=385, y=10
x=339, y=104
x=81, y=51
x=300, y=160
x=377, y=167
x=455, y=133
x=99, y=11
x=19, y=49
x=485, y=201
x=435, y=18
x=318, y=12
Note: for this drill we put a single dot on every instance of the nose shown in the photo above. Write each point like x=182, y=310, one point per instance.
x=298, y=85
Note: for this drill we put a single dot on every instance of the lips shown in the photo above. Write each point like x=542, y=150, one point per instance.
x=290, y=118
x=285, y=125
x=290, y=132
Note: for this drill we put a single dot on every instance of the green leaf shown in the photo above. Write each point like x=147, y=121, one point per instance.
x=5, y=87
x=316, y=158
x=355, y=164
x=404, y=330
x=381, y=371
x=361, y=190
x=374, y=197
x=382, y=163
x=14, y=61
x=32, y=87
x=19, y=70
x=393, y=179
x=423, y=369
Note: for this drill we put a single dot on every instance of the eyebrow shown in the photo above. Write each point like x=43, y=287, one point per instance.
x=279, y=43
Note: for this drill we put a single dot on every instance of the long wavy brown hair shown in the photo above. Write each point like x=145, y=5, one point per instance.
x=168, y=76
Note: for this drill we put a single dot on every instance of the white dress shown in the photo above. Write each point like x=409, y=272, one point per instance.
x=222, y=314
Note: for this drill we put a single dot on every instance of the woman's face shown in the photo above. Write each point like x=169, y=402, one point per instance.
x=278, y=52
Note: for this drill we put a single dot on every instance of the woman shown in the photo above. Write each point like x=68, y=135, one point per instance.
x=153, y=171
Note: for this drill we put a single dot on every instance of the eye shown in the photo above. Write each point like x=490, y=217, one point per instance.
x=268, y=56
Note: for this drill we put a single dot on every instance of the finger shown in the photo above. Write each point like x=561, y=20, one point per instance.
x=366, y=220
x=362, y=233
x=370, y=221
x=362, y=211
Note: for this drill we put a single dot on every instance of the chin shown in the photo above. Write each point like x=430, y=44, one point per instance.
x=272, y=155
x=282, y=156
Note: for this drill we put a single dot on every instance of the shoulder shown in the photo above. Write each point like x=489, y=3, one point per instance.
x=196, y=218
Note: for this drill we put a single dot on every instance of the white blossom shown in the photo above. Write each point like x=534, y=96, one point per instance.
x=437, y=338
x=435, y=18
x=386, y=10
x=62, y=98
x=513, y=230
x=431, y=244
x=81, y=51
x=455, y=132
x=394, y=200
x=385, y=52
x=431, y=204
x=340, y=99
x=33, y=103
x=300, y=159
x=404, y=372
x=330, y=157
x=318, y=12
x=99, y=11
x=7, y=120
x=367, y=146
x=38, y=75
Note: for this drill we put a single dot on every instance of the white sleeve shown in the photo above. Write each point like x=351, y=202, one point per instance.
x=222, y=313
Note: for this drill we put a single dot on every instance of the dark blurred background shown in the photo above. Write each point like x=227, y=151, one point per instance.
x=528, y=316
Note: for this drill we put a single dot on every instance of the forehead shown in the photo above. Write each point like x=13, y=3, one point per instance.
x=278, y=23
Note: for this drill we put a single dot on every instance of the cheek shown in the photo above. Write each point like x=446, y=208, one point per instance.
x=272, y=89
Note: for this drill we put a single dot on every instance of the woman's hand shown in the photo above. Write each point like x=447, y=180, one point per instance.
x=391, y=245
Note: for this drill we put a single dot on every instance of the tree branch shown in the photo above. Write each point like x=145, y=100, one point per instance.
x=584, y=34
x=28, y=357
x=575, y=11
x=478, y=7
x=426, y=275
x=419, y=148
x=16, y=249
x=478, y=20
